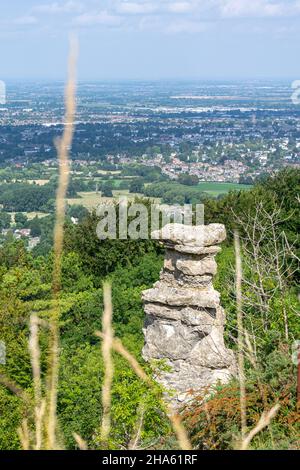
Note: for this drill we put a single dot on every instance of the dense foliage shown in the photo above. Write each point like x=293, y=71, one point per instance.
x=175, y=193
x=132, y=266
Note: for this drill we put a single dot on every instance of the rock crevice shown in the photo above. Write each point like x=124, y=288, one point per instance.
x=185, y=322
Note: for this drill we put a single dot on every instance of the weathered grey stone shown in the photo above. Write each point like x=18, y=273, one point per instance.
x=169, y=262
x=190, y=264
x=198, y=235
x=197, y=267
x=184, y=383
x=205, y=319
x=205, y=297
x=211, y=351
x=195, y=250
x=185, y=321
x=172, y=339
x=178, y=279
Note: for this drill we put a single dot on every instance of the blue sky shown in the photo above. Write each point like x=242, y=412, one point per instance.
x=151, y=39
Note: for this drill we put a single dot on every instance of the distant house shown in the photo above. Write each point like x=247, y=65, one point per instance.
x=33, y=242
x=24, y=232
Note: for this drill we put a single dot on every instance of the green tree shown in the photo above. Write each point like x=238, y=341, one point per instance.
x=188, y=180
x=21, y=219
x=107, y=189
x=5, y=220
x=77, y=211
x=136, y=186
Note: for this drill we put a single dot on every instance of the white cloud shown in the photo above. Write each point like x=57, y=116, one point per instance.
x=156, y=24
x=25, y=20
x=180, y=7
x=207, y=9
x=69, y=6
x=133, y=8
x=187, y=26
x=157, y=7
x=171, y=16
x=101, y=18
x=250, y=8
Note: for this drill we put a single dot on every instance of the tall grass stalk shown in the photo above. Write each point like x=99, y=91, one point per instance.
x=80, y=442
x=63, y=146
x=35, y=356
x=24, y=436
x=133, y=444
x=241, y=361
x=175, y=419
x=263, y=422
x=107, y=361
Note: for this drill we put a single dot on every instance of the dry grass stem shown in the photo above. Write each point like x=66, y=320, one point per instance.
x=175, y=419
x=13, y=387
x=39, y=424
x=180, y=431
x=263, y=422
x=23, y=433
x=241, y=362
x=35, y=356
x=80, y=442
x=108, y=362
x=63, y=146
x=133, y=444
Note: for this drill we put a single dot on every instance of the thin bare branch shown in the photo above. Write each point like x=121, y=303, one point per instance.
x=263, y=422
x=175, y=420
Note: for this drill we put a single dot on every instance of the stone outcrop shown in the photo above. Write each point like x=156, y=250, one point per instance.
x=185, y=322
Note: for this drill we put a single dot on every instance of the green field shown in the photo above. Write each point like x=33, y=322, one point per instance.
x=91, y=200
x=31, y=215
x=215, y=188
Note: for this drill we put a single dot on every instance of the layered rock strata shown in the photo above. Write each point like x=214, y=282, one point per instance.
x=185, y=322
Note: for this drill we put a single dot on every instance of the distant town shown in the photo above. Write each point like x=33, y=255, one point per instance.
x=218, y=132
x=174, y=142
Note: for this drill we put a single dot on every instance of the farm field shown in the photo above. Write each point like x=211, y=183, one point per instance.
x=109, y=172
x=215, y=188
x=32, y=215
x=91, y=200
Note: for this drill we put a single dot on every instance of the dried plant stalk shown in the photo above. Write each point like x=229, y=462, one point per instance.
x=107, y=361
x=264, y=421
x=133, y=444
x=39, y=424
x=23, y=433
x=35, y=356
x=63, y=146
x=180, y=431
x=13, y=387
x=174, y=418
x=241, y=362
x=80, y=442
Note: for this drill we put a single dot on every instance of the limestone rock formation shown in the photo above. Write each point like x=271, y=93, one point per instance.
x=185, y=321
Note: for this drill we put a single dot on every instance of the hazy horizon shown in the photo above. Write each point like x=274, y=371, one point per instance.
x=220, y=80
